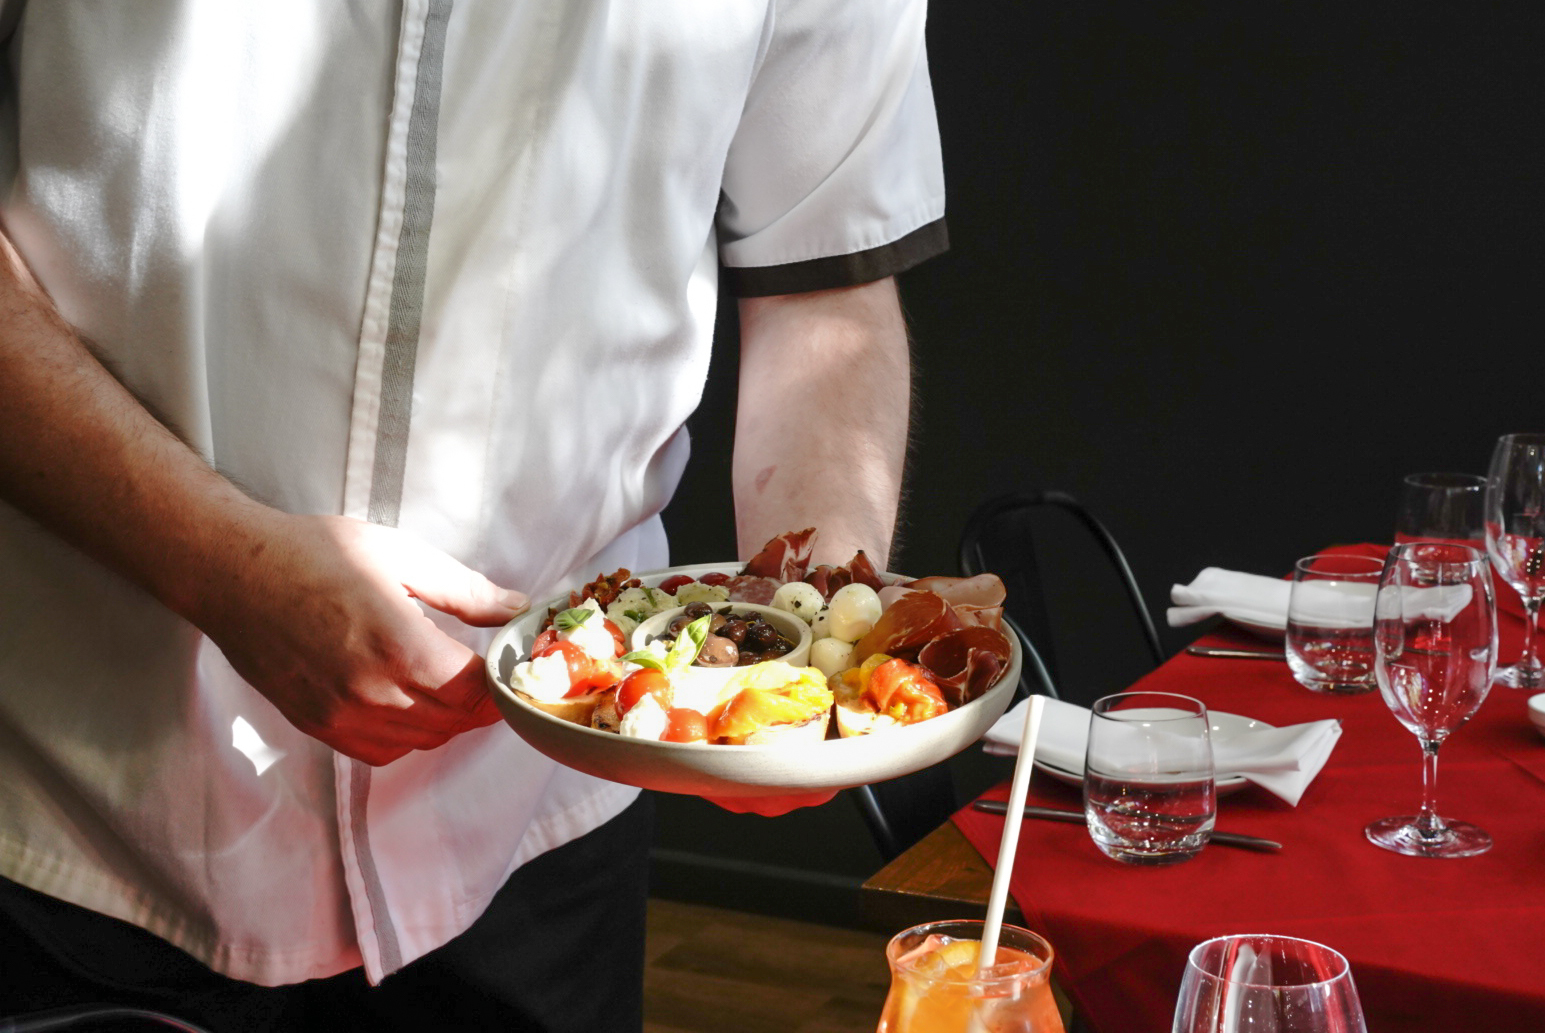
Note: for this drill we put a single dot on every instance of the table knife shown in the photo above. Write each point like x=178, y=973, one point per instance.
x=1078, y=818
x=1237, y=653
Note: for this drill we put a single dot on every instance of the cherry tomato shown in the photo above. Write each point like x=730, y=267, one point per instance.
x=905, y=691
x=616, y=636
x=683, y=725
x=636, y=686
x=675, y=581
x=543, y=644
x=586, y=673
x=714, y=578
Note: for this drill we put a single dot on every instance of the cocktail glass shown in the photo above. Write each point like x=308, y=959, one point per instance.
x=936, y=987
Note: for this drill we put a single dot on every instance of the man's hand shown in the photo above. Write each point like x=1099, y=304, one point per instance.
x=323, y=623
x=316, y=612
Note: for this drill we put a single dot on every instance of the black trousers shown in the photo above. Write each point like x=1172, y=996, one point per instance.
x=560, y=948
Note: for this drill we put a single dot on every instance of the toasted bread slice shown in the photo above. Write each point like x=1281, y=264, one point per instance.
x=578, y=709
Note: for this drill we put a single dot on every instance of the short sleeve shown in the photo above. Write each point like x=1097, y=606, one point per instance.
x=835, y=176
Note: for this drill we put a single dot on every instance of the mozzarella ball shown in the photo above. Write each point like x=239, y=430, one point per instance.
x=802, y=600
x=854, y=609
x=821, y=627
x=831, y=655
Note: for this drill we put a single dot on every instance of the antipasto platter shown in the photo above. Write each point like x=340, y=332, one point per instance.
x=763, y=679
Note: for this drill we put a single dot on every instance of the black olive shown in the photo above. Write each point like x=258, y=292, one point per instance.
x=747, y=659
x=761, y=635
x=678, y=622
x=717, y=651
x=716, y=623
x=734, y=630
x=696, y=610
x=771, y=654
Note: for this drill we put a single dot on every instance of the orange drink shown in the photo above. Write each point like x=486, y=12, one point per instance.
x=936, y=988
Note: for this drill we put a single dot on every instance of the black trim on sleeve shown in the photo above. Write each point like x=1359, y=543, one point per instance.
x=819, y=274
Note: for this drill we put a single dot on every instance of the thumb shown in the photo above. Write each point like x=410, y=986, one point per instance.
x=438, y=580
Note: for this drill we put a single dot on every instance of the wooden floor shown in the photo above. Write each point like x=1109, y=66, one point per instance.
x=712, y=971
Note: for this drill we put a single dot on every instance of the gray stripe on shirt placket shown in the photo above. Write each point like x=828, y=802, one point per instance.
x=402, y=331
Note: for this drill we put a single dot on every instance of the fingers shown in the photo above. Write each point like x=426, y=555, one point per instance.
x=448, y=586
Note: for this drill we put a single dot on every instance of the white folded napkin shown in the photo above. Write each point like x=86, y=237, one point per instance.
x=1283, y=761
x=1249, y=597
x=1325, y=604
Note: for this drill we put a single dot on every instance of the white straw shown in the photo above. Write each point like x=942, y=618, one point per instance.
x=998, y=899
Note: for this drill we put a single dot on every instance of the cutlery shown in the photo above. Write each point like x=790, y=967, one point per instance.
x=1077, y=818
x=1237, y=653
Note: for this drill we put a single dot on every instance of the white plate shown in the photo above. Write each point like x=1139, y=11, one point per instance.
x=704, y=770
x=1275, y=632
x=1221, y=724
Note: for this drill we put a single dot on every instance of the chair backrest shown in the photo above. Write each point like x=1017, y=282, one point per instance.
x=95, y=1017
x=999, y=537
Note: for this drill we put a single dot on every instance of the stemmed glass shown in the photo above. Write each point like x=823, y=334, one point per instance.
x=1515, y=537
x=1267, y=984
x=1446, y=507
x=1434, y=648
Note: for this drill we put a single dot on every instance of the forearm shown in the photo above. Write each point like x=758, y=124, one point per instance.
x=80, y=455
x=821, y=428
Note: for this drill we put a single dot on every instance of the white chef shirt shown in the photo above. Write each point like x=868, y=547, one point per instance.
x=452, y=268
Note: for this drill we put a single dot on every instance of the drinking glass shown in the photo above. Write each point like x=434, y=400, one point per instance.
x=935, y=986
x=1442, y=507
x=1330, y=623
x=1149, y=795
x=1267, y=984
x=1435, y=647
x=1515, y=537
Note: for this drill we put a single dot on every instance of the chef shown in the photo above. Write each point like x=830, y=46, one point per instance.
x=330, y=334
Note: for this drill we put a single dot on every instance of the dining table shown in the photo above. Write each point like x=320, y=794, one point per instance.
x=1434, y=944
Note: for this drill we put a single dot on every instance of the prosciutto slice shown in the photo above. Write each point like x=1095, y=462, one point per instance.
x=910, y=623
x=786, y=557
x=985, y=616
x=860, y=570
x=965, y=662
x=981, y=590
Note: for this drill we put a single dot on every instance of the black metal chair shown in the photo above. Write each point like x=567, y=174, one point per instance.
x=95, y=1017
x=996, y=538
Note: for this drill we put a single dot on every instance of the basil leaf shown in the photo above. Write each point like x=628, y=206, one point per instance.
x=644, y=658
x=688, y=643
x=572, y=618
x=636, y=616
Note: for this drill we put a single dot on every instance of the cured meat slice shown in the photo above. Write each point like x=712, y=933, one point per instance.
x=986, y=616
x=862, y=571
x=965, y=662
x=911, y=623
x=745, y=588
x=981, y=590
x=820, y=580
x=890, y=593
x=786, y=557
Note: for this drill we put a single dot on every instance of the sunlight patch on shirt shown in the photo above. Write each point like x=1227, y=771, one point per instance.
x=246, y=739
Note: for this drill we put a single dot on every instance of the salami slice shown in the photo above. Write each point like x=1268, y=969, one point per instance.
x=786, y=557
x=759, y=591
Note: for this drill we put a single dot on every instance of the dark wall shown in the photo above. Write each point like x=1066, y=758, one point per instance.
x=1225, y=271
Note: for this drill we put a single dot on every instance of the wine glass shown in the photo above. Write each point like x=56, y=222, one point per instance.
x=1515, y=537
x=1267, y=984
x=1445, y=507
x=1434, y=652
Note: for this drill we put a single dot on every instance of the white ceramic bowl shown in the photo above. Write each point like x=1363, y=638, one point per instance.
x=1537, y=712
x=704, y=683
x=728, y=771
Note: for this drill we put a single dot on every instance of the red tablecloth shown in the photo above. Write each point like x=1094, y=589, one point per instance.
x=1434, y=944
